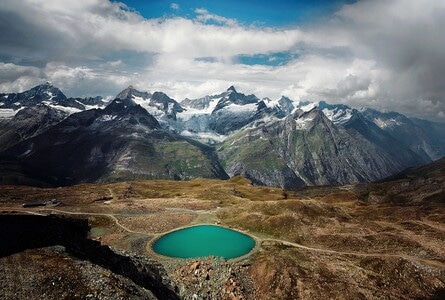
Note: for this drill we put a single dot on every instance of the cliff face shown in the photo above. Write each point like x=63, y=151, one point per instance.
x=41, y=231
x=308, y=149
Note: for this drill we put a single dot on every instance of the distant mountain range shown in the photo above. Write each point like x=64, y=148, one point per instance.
x=49, y=139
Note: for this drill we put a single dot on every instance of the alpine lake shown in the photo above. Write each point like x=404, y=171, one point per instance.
x=202, y=241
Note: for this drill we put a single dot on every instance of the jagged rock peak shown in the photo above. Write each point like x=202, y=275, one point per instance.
x=47, y=86
x=165, y=101
x=286, y=104
x=39, y=93
x=125, y=93
x=160, y=96
x=118, y=105
x=232, y=89
x=131, y=91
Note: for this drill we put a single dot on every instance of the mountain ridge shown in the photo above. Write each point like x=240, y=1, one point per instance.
x=272, y=142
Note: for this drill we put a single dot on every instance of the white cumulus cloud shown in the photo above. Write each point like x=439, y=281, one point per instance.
x=387, y=54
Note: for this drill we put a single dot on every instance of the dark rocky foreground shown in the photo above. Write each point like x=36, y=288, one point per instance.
x=135, y=276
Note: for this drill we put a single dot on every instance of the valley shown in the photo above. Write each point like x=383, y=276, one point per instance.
x=313, y=243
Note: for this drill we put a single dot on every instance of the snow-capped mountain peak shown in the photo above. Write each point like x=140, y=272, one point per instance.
x=337, y=113
x=306, y=105
x=157, y=104
x=270, y=103
x=131, y=92
x=43, y=93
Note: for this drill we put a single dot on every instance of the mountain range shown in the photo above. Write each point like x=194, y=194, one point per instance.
x=47, y=138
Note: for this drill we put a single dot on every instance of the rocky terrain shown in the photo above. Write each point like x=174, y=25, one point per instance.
x=51, y=273
x=366, y=241
x=132, y=274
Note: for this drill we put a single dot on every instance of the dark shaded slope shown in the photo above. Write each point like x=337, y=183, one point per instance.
x=400, y=153
x=423, y=185
x=121, y=142
x=27, y=123
x=422, y=137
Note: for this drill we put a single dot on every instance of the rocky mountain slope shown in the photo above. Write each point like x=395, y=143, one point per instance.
x=306, y=148
x=27, y=123
x=121, y=142
x=150, y=135
x=423, y=137
x=212, y=118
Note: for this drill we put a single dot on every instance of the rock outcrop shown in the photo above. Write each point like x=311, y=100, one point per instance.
x=42, y=231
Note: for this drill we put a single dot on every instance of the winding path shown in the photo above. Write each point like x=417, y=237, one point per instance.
x=96, y=214
x=428, y=262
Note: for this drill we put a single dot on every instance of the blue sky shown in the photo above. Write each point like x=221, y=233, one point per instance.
x=383, y=54
x=271, y=13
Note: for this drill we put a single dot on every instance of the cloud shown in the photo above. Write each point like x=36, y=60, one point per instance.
x=384, y=54
x=205, y=17
x=405, y=39
x=174, y=6
x=96, y=28
x=77, y=80
x=80, y=81
x=16, y=78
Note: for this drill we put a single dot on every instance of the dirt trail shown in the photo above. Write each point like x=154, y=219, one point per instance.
x=97, y=214
x=430, y=262
x=33, y=213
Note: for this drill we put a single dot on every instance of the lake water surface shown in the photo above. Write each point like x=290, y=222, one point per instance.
x=204, y=240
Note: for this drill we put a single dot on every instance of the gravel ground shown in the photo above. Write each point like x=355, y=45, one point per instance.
x=50, y=273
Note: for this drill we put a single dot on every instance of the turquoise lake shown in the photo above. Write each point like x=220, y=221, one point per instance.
x=204, y=240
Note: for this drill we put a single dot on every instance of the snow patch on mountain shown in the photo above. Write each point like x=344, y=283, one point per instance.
x=236, y=108
x=51, y=96
x=69, y=110
x=8, y=113
x=271, y=103
x=106, y=118
x=304, y=122
x=141, y=101
x=386, y=123
x=338, y=116
x=206, y=106
x=206, y=136
x=307, y=106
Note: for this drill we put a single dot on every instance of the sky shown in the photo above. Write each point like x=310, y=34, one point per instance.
x=384, y=54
